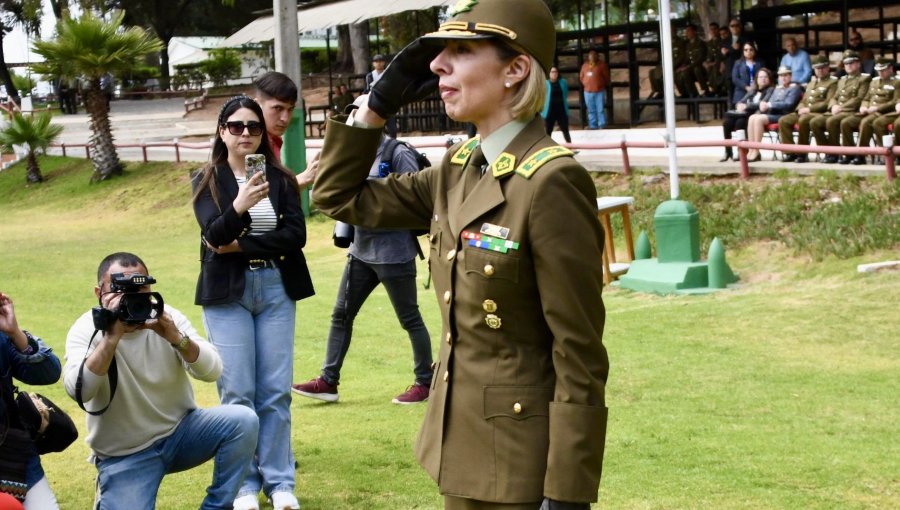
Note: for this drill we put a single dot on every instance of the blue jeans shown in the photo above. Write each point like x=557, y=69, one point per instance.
x=595, y=102
x=359, y=280
x=226, y=433
x=255, y=338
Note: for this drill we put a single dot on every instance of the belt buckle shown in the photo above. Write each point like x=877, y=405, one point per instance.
x=255, y=264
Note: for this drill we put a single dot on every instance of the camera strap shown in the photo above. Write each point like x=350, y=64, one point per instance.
x=112, y=374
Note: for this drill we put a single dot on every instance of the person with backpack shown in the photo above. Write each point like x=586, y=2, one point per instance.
x=388, y=257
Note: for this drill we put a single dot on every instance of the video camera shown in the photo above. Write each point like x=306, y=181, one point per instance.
x=135, y=307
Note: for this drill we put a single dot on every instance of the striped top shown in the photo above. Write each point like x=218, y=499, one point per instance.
x=262, y=215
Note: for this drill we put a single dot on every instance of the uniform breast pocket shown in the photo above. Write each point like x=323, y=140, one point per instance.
x=492, y=266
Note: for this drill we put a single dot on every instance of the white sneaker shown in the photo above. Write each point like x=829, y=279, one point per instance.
x=247, y=502
x=284, y=501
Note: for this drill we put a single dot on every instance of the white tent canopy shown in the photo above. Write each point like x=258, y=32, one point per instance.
x=328, y=16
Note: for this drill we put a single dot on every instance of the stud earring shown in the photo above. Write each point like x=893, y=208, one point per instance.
x=507, y=84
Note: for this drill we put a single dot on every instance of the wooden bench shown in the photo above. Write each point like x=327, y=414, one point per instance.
x=313, y=121
x=195, y=103
x=692, y=104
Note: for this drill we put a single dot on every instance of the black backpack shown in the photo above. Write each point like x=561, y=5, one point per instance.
x=387, y=157
x=386, y=167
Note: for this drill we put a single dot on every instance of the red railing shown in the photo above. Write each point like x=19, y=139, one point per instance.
x=623, y=145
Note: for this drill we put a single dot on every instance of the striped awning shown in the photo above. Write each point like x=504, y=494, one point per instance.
x=328, y=15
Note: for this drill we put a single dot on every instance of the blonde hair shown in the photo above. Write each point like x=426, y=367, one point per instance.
x=528, y=99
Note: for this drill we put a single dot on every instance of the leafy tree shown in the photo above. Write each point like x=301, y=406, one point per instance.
x=221, y=66
x=23, y=83
x=22, y=13
x=171, y=18
x=34, y=132
x=91, y=47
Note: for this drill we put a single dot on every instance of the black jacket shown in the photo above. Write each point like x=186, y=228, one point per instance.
x=222, y=276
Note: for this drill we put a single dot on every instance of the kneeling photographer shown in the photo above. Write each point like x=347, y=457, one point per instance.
x=127, y=366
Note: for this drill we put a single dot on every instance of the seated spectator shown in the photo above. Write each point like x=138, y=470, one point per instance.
x=342, y=98
x=132, y=378
x=749, y=104
x=743, y=74
x=782, y=101
x=819, y=91
x=851, y=89
x=797, y=60
x=27, y=359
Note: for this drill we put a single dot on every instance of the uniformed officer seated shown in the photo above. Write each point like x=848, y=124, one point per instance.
x=848, y=97
x=879, y=101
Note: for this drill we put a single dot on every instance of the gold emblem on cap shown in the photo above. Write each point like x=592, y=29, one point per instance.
x=493, y=321
x=462, y=6
x=489, y=305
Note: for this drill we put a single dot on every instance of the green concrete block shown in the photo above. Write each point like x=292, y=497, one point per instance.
x=293, y=152
x=677, y=226
x=651, y=275
x=642, y=248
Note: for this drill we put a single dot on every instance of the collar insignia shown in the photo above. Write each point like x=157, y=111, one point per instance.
x=465, y=150
x=505, y=164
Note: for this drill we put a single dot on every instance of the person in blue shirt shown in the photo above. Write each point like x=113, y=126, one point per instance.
x=797, y=60
x=556, y=104
x=27, y=359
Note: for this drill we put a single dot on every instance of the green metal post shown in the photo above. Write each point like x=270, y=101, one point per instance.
x=293, y=152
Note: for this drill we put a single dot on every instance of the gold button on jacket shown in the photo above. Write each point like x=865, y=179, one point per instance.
x=473, y=442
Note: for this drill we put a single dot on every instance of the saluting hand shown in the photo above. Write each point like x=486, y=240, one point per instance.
x=408, y=78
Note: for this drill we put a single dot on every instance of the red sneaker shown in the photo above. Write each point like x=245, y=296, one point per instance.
x=413, y=395
x=318, y=389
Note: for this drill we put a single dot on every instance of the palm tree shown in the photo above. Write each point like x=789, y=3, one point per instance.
x=90, y=47
x=34, y=132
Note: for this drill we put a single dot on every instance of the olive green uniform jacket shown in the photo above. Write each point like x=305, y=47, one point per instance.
x=517, y=408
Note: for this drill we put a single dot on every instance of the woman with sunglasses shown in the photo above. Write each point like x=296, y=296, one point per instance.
x=744, y=71
x=252, y=272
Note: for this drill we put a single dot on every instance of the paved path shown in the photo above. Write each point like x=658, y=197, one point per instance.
x=136, y=121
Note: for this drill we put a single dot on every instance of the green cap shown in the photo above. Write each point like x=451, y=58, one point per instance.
x=820, y=61
x=526, y=25
x=883, y=63
x=850, y=56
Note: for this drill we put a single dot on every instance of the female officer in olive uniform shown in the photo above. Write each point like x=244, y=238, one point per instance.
x=516, y=416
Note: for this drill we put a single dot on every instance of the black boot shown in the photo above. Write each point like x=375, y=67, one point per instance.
x=859, y=160
x=728, y=157
x=830, y=160
x=845, y=160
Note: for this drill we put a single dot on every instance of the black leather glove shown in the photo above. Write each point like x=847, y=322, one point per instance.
x=408, y=78
x=552, y=504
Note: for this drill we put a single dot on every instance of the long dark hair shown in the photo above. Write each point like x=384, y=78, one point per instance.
x=219, y=155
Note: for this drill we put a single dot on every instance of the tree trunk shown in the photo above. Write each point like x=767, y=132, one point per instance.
x=164, y=78
x=103, y=152
x=60, y=9
x=359, y=45
x=11, y=90
x=345, y=56
x=34, y=172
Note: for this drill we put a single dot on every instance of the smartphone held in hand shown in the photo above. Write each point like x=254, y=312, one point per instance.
x=255, y=163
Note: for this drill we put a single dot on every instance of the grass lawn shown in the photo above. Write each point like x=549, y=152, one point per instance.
x=783, y=393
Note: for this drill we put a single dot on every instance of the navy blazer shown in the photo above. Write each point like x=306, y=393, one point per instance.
x=221, y=278
x=741, y=78
x=784, y=99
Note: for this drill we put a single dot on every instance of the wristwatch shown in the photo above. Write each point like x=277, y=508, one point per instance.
x=183, y=344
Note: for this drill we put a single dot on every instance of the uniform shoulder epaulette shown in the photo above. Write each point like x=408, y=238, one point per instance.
x=464, y=151
x=866, y=77
x=532, y=163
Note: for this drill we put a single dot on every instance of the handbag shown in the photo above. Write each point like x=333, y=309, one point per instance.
x=49, y=426
x=15, y=450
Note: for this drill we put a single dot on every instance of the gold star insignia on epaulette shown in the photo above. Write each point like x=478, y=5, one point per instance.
x=462, y=6
x=505, y=164
x=463, y=153
x=539, y=158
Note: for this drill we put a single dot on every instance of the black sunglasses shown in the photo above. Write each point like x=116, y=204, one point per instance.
x=236, y=128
